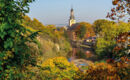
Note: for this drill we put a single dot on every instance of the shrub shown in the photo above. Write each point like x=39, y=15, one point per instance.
x=101, y=71
x=105, y=71
x=57, y=68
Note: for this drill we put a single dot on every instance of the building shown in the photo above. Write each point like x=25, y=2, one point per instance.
x=71, y=26
x=72, y=18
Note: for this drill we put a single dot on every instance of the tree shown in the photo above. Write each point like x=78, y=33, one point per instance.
x=122, y=46
x=58, y=68
x=121, y=10
x=83, y=29
x=82, y=32
x=106, y=41
x=34, y=24
x=14, y=52
x=98, y=25
x=27, y=21
x=37, y=25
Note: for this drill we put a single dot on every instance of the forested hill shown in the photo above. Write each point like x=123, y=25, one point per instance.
x=52, y=41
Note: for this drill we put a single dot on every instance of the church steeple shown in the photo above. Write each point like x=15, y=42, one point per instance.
x=72, y=18
x=72, y=14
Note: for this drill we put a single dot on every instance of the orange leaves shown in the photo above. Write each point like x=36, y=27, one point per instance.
x=110, y=61
x=113, y=77
x=83, y=30
x=101, y=71
x=115, y=2
x=116, y=49
x=124, y=59
x=122, y=45
x=122, y=37
x=118, y=64
x=105, y=71
x=120, y=10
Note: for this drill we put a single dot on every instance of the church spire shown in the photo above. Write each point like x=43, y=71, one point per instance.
x=72, y=13
x=72, y=18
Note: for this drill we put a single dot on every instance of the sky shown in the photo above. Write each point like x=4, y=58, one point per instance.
x=57, y=12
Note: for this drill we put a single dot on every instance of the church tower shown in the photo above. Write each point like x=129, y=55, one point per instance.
x=72, y=19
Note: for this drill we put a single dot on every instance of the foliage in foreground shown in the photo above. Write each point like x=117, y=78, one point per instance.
x=105, y=71
x=122, y=45
x=15, y=53
x=120, y=11
x=57, y=68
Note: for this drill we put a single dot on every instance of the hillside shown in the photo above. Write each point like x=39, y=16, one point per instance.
x=52, y=42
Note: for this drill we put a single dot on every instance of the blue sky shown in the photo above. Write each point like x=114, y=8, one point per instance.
x=58, y=11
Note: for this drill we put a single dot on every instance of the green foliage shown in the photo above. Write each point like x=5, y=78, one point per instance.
x=98, y=25
x=80, y=54
x=14, y=51
x=83, y=32
x=106, y=40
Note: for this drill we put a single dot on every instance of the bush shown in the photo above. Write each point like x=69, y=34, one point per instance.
x=58, y=68
x=101, y=71
x=105, y=71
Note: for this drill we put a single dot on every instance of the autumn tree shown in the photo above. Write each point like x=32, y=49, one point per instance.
x=27, y=21
x=84, y=30
x=37, y=24
x=34, y=24
x=106, y=41
x=120, y=11
x=122, y=45
x=14, y=52
x=98, y=25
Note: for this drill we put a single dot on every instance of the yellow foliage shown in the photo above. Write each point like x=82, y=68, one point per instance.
x=59, y=60
x=9, y=54
x=59, y=68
